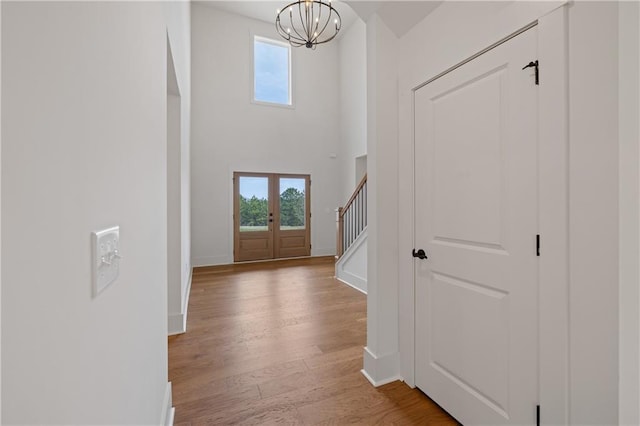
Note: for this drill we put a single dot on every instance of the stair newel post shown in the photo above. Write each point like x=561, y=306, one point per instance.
x=340, y=228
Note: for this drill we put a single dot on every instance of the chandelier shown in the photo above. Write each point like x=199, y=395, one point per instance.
x=307, y=22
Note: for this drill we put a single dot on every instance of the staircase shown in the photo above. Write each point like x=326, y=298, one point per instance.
x=351, y=249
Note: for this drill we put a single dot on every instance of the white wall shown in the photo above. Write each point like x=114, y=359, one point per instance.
x=351, y=268
x=454, y=32
x=229, y=133
x=178, y=18
x=352, y=51
x=629, y=119
x=84, y=147
x=0, y=216
x=593, y=212
x=381, y=353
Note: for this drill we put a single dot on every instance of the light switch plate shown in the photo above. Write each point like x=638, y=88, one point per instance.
x=105, y=258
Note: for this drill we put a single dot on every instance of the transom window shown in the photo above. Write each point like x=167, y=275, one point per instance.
x=271, y=71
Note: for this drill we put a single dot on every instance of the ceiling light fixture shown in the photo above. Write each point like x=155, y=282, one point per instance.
x=307, y=22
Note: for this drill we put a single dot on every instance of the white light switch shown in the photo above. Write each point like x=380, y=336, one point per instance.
x=106, y=258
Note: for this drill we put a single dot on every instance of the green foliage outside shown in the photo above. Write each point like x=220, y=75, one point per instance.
x=254, y=212
x=292, y=208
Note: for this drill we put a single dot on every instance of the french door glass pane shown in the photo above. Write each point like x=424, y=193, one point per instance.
x=254, y=203
x=292, y=203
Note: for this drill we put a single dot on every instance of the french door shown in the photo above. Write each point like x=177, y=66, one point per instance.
x=271, y=216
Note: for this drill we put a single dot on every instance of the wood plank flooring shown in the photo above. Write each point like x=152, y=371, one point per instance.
x=281, y=342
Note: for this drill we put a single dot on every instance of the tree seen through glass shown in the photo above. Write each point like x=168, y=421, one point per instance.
x=292, y=203
x=254, y=203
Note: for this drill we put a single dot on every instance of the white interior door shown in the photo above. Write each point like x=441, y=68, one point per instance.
x=476, y=219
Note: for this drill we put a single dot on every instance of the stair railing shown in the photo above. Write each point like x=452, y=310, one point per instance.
x=352, y=218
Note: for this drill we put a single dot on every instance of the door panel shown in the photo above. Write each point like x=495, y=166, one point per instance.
x=476, y=217
x=271, y=216
x=292, y=236
x=471, y=182
x=253, y=204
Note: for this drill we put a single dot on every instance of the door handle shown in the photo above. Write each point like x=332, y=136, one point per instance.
x=420, y=254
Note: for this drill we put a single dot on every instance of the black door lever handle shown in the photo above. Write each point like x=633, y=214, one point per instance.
x=420, y=254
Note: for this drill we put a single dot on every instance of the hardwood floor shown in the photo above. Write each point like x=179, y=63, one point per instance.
x=282, y=342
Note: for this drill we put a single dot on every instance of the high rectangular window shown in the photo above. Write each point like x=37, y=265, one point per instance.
x=271, y=71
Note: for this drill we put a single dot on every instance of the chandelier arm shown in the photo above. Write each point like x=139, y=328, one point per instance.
x=327, y=40
x=338, y=19
x=302, y=21
x=338, y=24
x=324, y=28
x=309, y=16
x=281, y=30
x=317, y=21
x=287, y=34
x=300, y=37
x=310, y=19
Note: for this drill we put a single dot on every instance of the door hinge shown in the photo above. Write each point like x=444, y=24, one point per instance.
x=538, y=245
x=537, y=415
x=534, y=64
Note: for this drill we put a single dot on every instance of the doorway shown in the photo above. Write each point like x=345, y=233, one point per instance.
x=271, y=216
x=476, y=213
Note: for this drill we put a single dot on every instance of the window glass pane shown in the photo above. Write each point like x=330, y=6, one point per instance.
x=292, y=203
x=271, y=73
x=254, y=203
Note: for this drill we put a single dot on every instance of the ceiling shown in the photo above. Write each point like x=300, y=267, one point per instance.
x=399, y=16
x=266, y=10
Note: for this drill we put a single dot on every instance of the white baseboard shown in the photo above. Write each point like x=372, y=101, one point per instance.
x=200, y=262
x=352, y=285
x=168, y=412
x=178, y=322
x=380, y=370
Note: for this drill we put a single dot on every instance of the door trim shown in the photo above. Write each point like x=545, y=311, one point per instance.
x=553, y=226
x=474, y=56
x=276, y=234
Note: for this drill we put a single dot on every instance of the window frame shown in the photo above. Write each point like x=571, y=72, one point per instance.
x=267, y=40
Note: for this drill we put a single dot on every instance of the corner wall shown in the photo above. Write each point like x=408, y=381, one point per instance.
x=178, y=18
x=0, y=215
x=593, y=213
x=83, y=148
x=352, y=48
x=381, y=361
x=629, y=122
x=230, y=133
